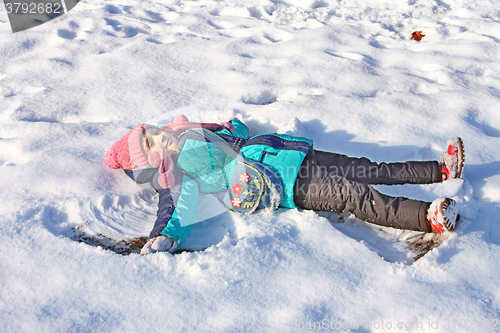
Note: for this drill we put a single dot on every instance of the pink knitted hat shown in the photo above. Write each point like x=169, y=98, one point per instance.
x=128, y=153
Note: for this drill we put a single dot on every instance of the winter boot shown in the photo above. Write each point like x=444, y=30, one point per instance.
x=453, y=159
x=442, y=215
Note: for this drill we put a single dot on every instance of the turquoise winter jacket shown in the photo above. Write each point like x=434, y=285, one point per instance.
x=201, y=167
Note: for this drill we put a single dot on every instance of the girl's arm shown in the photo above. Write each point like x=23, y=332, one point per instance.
x=166, y=208
x=177, y=209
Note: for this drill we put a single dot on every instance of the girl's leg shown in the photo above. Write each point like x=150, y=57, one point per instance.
x=362, y=170
x=319, y=190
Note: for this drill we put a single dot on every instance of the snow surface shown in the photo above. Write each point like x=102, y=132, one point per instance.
x=344, y=73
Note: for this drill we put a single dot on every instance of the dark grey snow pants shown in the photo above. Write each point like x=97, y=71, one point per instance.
x=334, y=182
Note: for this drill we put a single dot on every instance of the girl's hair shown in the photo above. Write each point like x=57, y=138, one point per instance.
x=174, y=149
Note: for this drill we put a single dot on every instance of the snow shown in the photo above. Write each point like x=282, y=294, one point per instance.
x=343, y=73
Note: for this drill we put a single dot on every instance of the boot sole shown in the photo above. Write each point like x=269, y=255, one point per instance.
x=443, y=206
x=461, y=157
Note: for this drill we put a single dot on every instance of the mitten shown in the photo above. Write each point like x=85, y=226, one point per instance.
x=159, y=243
x=228, y=125
x=146, y=249
x=162, y=243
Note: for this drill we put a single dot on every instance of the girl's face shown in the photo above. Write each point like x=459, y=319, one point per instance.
x=153, y=140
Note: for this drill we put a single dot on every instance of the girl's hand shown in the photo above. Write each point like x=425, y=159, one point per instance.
x=159, y=243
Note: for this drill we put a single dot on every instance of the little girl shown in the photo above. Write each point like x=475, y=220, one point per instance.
x=183, y=160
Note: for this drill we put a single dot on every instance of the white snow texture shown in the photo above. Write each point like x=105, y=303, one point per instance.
x=343, y=73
